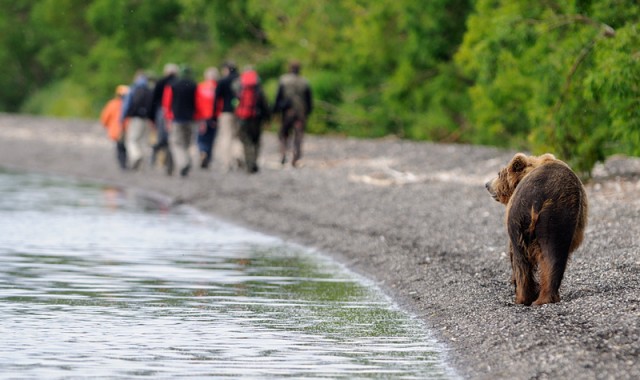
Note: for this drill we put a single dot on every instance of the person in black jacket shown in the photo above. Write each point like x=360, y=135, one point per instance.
x=156, y=113
x=183, y=107
x=228, y=149
x=135, y=108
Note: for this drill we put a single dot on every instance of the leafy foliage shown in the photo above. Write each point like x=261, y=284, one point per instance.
x=542, y=76
x=555, y=76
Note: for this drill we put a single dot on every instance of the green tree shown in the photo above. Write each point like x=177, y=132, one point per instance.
x=547, y=76
x=554, y=76
x=39, y=40
x=15, y=55
x=377, y=67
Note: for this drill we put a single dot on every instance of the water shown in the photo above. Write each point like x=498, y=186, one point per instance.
x=100, y=282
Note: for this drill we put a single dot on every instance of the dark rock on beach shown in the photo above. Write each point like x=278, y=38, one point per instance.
x=416, y=219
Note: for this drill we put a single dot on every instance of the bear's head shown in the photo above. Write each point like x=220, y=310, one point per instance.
x=502, y=187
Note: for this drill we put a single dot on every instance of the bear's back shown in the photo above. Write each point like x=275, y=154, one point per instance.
x=552, y=180
x=549, y=200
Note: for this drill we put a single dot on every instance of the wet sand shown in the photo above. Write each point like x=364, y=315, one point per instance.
x=416, y=219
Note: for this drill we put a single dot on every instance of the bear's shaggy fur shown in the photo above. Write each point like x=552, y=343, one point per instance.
x=546, y=218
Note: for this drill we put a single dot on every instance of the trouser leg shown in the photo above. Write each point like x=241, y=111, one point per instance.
x=222, y=148
x=228, y=147
x=206, y=136
x=285, y=134
x=250, y=136
x=121, y=154
x=180, y=141
x=298, y=135
x=134, y=139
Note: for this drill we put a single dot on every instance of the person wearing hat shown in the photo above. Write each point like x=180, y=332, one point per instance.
x=110, y=119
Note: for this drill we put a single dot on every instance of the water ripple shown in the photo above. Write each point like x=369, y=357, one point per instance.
x=96, y=283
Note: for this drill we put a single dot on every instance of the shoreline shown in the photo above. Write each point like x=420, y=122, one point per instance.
x=413, y=217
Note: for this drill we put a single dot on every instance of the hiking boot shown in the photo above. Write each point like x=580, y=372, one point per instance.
x=204, y=160
x=136, y=164
x=185, y=171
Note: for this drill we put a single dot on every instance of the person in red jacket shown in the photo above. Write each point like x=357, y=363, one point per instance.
x=110, y=119
x=207, y=121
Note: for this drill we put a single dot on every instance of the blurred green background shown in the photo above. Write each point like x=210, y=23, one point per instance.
x=542, y=76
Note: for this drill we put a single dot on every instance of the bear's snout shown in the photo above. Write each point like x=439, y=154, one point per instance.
x=489, y=188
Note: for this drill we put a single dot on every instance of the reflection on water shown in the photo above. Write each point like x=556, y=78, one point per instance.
x=100, y=282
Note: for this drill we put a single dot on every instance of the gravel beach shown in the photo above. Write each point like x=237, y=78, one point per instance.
x=416, y=219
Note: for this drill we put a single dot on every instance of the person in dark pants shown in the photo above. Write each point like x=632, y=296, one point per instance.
x=252, y=111
x=160, y=119
x=207, y=121
x=295, y=103
x=182, y=100
x=110, y=119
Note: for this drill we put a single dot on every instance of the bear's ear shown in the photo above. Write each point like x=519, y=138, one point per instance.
x=518, y=163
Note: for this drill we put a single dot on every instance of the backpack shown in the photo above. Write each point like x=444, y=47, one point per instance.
x=294, y=93
x=140, y=105
x=250, y=96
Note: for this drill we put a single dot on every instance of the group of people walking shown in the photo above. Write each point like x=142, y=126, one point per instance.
x=226, y=111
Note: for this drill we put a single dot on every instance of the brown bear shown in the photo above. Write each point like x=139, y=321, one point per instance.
x=546, y=217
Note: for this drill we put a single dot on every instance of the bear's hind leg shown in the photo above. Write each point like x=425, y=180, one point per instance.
x=552, y=263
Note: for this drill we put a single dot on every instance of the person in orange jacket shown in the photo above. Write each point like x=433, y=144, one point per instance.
x=110, y=119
